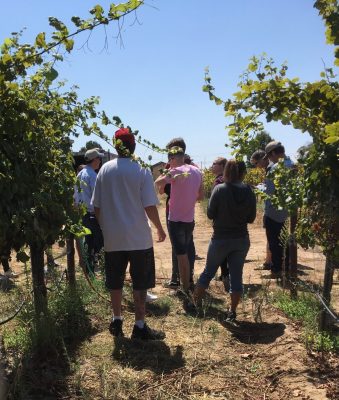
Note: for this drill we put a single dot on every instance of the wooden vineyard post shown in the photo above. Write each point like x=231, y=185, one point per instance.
x=328, y=282
x=293, y=250
x=71, y=260
x=332, y=261
x=38, y=277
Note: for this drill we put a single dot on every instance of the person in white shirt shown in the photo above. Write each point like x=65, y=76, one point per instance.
x=123, y=198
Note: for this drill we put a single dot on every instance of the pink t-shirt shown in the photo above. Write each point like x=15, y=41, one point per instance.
x=185, y=183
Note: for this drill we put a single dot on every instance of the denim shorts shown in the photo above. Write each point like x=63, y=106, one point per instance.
x=181, y=236
x=142, y=269
x=235, y=251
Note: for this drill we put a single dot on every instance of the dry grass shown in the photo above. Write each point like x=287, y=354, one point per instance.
x=202, y=357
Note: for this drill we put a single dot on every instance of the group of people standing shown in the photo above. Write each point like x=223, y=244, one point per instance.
x=121, y=200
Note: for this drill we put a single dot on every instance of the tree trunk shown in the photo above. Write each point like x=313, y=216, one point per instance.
x=38, y=277
x=71, y=261
x=328, y=281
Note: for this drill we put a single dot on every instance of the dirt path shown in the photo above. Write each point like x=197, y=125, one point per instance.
x=311, y=262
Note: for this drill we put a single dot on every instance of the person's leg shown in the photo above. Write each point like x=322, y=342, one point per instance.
x=216, y=253
x=184, y=271
x=235, y=299
x=224, y=268
x=116, y=298
x=268, y=260
x=115, y=269
x=273, y=230
x=184, y=261
x=175, y=279
x=139, y=297
x=142, y=271
x=225, y=275
x=191, y=257
x=98, y=240
x=89, y=242
x=180, y=235
x=236, y=260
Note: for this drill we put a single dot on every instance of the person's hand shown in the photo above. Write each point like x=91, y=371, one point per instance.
x=161, y=235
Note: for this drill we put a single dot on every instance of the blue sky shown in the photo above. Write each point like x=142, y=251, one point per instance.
x=153, y=82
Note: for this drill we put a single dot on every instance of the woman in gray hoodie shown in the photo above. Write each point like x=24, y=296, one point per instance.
x=231, y=207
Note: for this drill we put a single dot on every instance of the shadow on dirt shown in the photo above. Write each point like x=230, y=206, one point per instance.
x=304, y=267
x=153, y=355
x=253, y=332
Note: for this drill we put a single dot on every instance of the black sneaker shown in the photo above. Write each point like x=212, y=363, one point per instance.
x=146, y=333
x=171, y=285
x=189, y=306
x=231, y=316
x=115, y=328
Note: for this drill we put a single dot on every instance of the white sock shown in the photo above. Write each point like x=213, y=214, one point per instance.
x=140, y=323
x=116, y=317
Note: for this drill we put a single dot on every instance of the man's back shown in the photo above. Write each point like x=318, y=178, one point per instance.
x=122, y=192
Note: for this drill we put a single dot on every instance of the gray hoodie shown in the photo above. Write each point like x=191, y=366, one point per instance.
x=232, y=207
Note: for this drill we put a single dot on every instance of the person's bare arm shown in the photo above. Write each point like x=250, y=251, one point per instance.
x=160, y=183
x=153, y=215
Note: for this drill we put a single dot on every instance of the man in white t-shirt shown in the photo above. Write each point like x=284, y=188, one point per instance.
x=123, y=198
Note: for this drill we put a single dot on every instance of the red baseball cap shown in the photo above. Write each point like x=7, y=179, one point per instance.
x=125, y=135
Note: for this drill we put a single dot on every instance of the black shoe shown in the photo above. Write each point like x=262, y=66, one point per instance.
x=115, y=328
x=146, y=333
x=171, y=285
x=231, y=316
x=189, y=306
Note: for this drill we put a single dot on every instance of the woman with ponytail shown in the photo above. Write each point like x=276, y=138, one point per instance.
x=231, y=207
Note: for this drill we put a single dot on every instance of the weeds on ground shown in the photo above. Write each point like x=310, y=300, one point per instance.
x=305, y=309
x=40, y=348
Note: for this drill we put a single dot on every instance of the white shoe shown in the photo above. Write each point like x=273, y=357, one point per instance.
x=150, y=297
x=11, y=274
